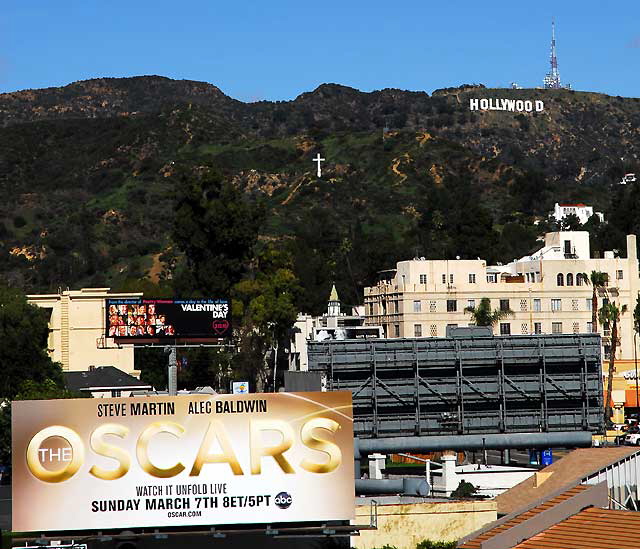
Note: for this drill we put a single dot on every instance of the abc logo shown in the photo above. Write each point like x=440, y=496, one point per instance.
x=283, y=500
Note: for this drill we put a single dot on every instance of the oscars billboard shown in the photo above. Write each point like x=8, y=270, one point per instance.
x=91, y=464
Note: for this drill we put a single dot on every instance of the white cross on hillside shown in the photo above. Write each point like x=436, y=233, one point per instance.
x=318, y=160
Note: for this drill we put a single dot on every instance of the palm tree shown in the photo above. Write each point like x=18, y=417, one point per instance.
x=598, y=280
x=482, y=315
x=610, y=314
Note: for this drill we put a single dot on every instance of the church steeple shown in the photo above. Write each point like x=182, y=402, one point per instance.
x=333, y=307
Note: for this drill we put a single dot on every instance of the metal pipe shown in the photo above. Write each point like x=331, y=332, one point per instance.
x=395, y=445
x=405, y=486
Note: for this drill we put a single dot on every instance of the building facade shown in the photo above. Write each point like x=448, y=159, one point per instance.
x=581, y=211
x=77, y=329
x=546, y=292
x=334, y=324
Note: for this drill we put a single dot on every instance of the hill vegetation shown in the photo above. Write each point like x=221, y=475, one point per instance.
x=92, y=175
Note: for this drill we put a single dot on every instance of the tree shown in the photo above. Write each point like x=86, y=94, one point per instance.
x=217, y=228
x=28, y=390
x=24, y=334
x=598, y=281
x=610, y=314
x=482, y=315
x=264, y=309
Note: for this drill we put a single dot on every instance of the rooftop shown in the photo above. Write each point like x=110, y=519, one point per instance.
x=576, y=518
x=569, y=470
x=102, y=377
x=501, y=527
x=591, y=528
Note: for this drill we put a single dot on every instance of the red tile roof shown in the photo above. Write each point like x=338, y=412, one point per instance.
x=476, y=542
x=568, y=471
x=591, y=528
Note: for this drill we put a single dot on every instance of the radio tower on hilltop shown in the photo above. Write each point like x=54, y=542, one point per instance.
x=552, y=78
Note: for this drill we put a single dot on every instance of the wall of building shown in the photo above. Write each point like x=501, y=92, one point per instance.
x=427, y=295
x=405, y=525
x=77, y=325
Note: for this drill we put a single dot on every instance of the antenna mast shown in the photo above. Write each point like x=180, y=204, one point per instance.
x=552, y=78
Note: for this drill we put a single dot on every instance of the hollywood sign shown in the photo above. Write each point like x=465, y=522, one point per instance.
x=511, y=105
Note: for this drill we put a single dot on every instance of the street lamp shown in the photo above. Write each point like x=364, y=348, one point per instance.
x=635, y=360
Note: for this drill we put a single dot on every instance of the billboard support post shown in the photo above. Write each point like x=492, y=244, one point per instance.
x=172, y=371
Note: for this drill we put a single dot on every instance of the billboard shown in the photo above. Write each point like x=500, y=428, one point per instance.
x=90, y=464
x=144, y=319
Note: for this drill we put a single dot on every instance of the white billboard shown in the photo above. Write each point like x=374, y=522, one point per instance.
x=177, y=461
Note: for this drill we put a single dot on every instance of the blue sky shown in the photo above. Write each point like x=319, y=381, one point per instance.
x=277, y=49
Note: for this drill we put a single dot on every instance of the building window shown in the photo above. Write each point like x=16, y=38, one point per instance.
x=433, y=330
x=556, y=304
x=450, y=279
x=432, y=306
x=607, y=352
x=588, y=304
x=417, y=306
x=569, y=279
x=504, y=305
x=574, y=305
x=619, y=274
x=471, y=303
x=576, y=327
x=560, y=279
x=537, y=327
x=444, y=278
x=472, y=278
x=492, y=278
x=417, y=330
x=452, y=305
x=579, y=279
x=423, y=279
x=396, y=330
x=556, y=327
x=537, y=305
x=524, y=328
x=505, y=328
x=523, y=304
x=590, y=327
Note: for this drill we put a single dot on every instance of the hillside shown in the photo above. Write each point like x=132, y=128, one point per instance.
x=88, y=175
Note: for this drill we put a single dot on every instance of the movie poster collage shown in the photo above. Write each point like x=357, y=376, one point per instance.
x=138, y=321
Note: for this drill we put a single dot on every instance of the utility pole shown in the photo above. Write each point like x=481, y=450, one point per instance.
x=172, y=371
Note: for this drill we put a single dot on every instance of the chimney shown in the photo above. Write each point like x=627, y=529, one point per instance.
x=632, y=251
x=541, y=477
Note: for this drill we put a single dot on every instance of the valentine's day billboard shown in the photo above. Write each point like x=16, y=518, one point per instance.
x=143, y=319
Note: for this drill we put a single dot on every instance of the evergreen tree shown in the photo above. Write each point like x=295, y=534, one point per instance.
x=216, y=227
x=24, y=334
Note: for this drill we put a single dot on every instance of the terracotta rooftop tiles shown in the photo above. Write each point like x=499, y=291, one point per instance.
x=568, y=471
x=476, y=542
x=591, y=528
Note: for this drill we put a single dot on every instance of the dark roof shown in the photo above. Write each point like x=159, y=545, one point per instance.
x=108, y=377
x=565, y=472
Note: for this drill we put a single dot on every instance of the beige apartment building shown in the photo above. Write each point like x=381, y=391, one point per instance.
x=546, y=292
x=77, y=327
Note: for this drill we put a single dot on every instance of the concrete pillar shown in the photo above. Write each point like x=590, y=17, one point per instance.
x=449, y=475
x=377, y=463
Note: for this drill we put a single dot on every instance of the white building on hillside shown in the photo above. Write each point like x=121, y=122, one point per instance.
x=581, y=211
x=546, y=292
